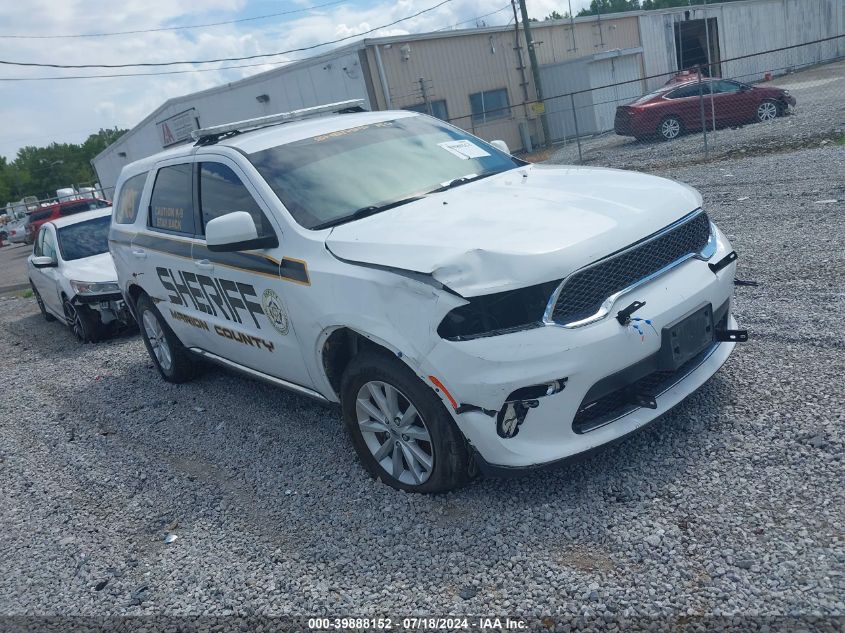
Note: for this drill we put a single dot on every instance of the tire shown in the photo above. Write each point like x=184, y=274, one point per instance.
x=424, y=451
x=47, y=316
x=670, y=128
x=83, y=322
x=768, y=110
x=173, y=361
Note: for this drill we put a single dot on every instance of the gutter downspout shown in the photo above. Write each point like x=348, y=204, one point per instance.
x=383, y=78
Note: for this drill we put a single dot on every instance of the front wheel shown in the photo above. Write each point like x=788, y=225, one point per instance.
x=768, y=111
x=172, y=360
x=400, y=429
x=83, y=322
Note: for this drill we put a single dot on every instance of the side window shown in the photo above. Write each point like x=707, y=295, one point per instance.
x=726, y=86
x=489, y=105
x=171, y=205
x=690, y=90
x=38, y=249
x=48, y=244
x=221, y=192
x=126, y=206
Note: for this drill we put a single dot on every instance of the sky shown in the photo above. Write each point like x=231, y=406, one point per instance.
x=67, y=111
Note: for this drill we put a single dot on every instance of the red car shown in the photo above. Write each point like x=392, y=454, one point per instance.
x=59, y=210
x=674, y=109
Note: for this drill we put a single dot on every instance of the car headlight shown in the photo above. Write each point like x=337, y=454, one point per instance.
x=94, y=287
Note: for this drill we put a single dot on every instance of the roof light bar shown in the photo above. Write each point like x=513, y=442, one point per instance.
x=281, y=117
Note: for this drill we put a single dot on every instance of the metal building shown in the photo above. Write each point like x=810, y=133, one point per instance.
x=479, y=78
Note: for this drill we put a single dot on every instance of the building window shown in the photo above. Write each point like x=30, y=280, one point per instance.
x=438, y=109
x=489, y=105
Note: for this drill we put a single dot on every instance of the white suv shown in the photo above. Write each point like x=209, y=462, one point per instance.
x=466, y=309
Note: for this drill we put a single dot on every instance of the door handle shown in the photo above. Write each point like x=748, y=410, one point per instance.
x=204, y=264
x=139, y=253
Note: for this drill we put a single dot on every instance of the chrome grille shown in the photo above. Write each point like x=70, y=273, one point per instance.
x=583, y=293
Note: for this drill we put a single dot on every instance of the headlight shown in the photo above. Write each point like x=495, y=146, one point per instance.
x=94, y=287
x=499, y=313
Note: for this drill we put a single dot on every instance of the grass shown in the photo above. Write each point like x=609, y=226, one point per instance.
x=26, y=294
x=840, y=140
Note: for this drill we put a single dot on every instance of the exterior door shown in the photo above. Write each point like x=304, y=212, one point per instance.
x=162, y=250
x=246, y=300
x=732, y=104
x=46, y=280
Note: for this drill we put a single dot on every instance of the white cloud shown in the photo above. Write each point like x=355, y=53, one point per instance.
x=38, y=112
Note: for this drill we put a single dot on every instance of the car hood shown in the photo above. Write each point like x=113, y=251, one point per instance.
x=95, y=268
x=518, y=228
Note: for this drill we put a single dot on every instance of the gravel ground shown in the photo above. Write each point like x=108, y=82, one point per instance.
x=819, y=116
x=730, y=505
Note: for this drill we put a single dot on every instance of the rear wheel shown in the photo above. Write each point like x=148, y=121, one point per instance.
x=399, y=427
x=47, y=316
x=171, y=358
x=670, y=128
x=768, y=110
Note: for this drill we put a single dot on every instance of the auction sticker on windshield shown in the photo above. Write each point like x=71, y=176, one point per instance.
x=464, y=149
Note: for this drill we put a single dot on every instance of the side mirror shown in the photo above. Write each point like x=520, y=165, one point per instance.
x=501, y=146
x=43, y=261
x=236, y=231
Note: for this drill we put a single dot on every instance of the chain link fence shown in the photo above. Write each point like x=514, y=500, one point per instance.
x=785, y=97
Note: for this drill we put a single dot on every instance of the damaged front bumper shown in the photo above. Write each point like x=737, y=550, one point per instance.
x=535, y=397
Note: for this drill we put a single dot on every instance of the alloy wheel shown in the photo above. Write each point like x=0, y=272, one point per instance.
x=670, y=128
x=158, y=341
x=767, y=111
x=74, y=320
x=395, y=432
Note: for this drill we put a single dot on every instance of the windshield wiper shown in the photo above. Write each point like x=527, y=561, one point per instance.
x=457, y=182
x=364, y=212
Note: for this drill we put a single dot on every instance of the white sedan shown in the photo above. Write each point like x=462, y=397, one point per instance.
x=73, y=277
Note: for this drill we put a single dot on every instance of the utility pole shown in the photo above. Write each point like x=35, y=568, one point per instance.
x=535, y=70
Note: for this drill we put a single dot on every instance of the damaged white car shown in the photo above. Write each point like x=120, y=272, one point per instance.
x=466, y=309
x=73, y=278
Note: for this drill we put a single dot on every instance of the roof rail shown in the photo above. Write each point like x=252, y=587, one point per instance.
x=211, y=134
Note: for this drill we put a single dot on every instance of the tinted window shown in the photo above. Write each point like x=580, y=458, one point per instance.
x=489, y=105
x=37, y=216
x=325, y=178
x=85, y=205
x=126, y=207
x=84, y=239
x=690, y=90
x=726, y=86
x=171, y=205
x=438, y=109
x=221, y=192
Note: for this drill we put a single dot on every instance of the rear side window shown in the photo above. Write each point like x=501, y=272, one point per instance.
x=79, y=207
x=171, y=205
x=37, y=216
x=129, y=199
x=221, y=192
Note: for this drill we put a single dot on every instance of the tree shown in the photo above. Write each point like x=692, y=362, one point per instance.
x=39, y=171
x=555, y=15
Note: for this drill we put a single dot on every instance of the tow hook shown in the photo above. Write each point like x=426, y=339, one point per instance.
x=512, y=415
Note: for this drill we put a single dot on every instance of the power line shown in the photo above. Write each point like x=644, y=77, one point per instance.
x=478, y=17
x=173, y=28
x=226, y=59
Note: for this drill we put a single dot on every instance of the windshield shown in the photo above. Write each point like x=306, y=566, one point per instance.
x=84, y=239
x=325, y=179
